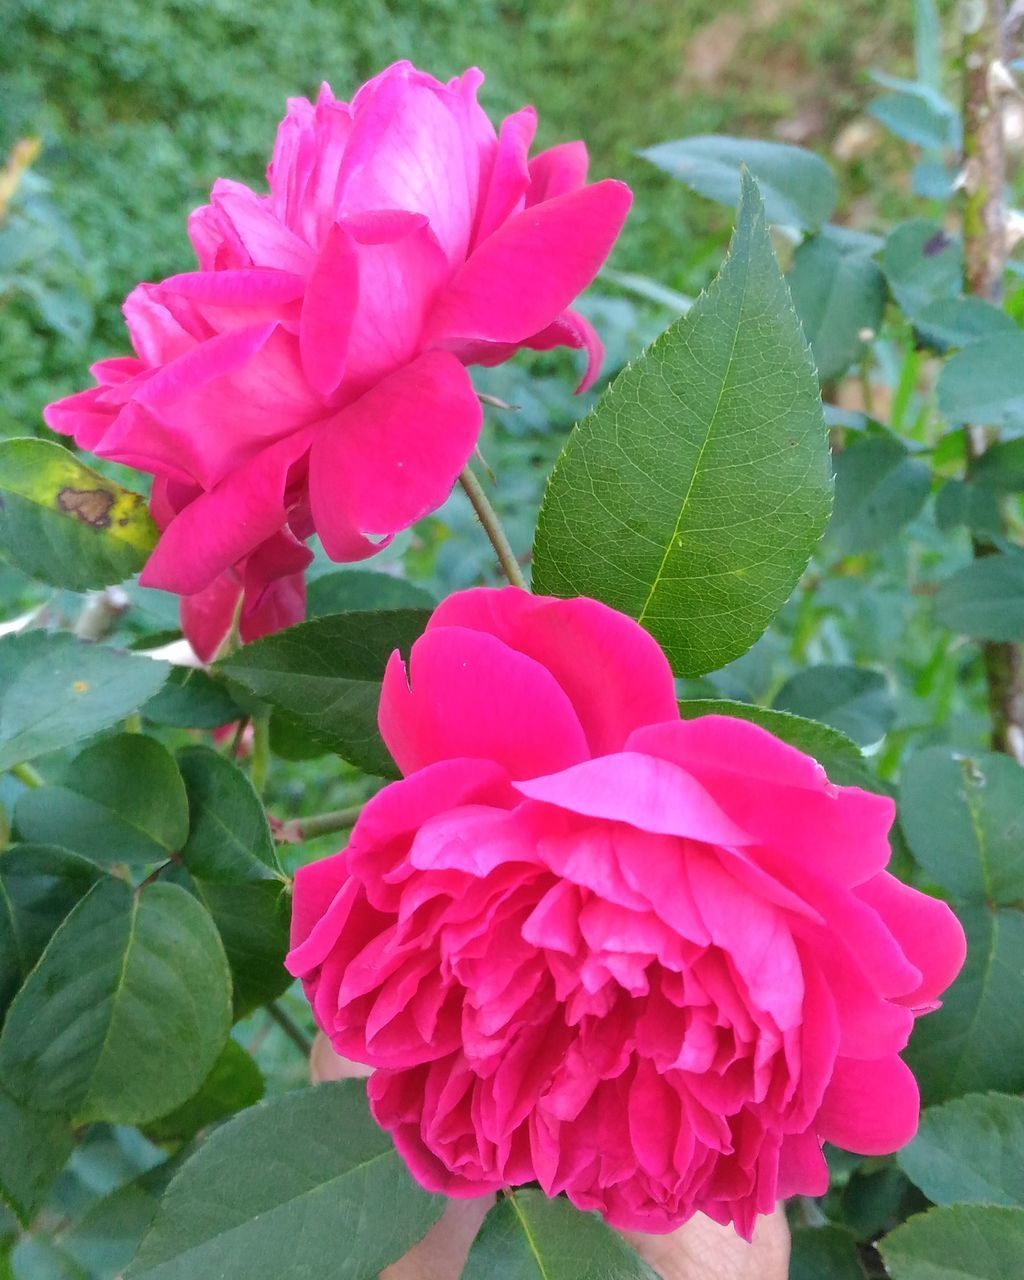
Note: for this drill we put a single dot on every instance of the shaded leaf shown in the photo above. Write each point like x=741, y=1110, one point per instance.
x=985, y=599
x=880, y=487
x=923, y=264
x=192, y=699
x=34, y=1147
x=692, y=496
x=854, y=700
x=234, y=1083
x=824, y=1253
x=970, y=1150
x=229, y=838
x=65, y=523
x=837, y=295
x=984, y=383
x=360, y=589
x=957, y=1242
x=105, y=1238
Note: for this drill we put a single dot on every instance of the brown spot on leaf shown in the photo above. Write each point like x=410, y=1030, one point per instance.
x=90, y=506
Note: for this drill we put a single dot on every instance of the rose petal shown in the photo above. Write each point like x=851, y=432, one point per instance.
x=870, y=1107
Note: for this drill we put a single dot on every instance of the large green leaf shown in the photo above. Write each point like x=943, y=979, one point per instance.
x=985, y=599
x=824, y=1253
x=798, y=187
x=191, y=699
x=234, y=1083
x=33, y=1149
x=526, y=1236
x=56, y=690
x=923, y=264
x=839, y=295
x=230, y=864
x=693, y=495
x=105, y=1238
x=963, y=816
x=303, y=1185
x=880, y=487
x=984, y=383
x=123, y=800
x=38, y=887
x=854, y=700
x=970, y=1150
x=957, y=1242
x=350, y=589
x=326, y=675
x=65, y=523
x=976, y=1040
x=126, y=1011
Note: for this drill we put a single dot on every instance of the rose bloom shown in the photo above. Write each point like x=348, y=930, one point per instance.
x=648, y=962
x=310, y=376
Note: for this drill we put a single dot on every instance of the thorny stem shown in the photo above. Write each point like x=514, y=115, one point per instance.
x=291, y=1029
x=296, y=830
x=984, y=234
x=488, y=517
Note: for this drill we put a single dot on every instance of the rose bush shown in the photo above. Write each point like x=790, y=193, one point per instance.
x=647, y=962
x=310, y=376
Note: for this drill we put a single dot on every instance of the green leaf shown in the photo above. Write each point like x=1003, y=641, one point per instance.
x=957, y=1242
x=854, y=700
x=985, y=599
x=360, y=589
x=234, y=1083
x=122, y=801
x=880, y=488
x=37, y=1258
x=56, y=690
x=302, y=1185
x=35, y=1147
x=228, y=836
x=105, y=1238
x=692, y=496
x=798, y=187
x=126, y=1011
x=230, y=864
x=974, y=505
x=976, y=1040
x=917, y=115
x=970, y=1150
x=526, y=1236
x=984, y=383
x=922, y=263
x=191, y=699
x=837, y=295
x=326, y=675
x=963, y=816
x=832, y=749
x=38, y=887
x=1001, y=466
x=824, y=1253
x=956, y=322
x=65, y=523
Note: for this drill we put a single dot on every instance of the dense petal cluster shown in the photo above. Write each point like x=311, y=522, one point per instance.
x=310, y=376
x=647, y=962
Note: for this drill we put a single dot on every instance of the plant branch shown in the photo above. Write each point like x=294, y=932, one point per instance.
x=488, y=517
x=984, y=235
x=296, y=830
x=291, y=1029
x=30, y=776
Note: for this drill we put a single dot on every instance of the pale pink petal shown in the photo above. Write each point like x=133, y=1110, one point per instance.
x=625, y=681
x=557, y=172
x=472, y=696
x=647, y=793
x=870, y=1108
x=222, y=526
x=267, y=241
x=931, y=936
x=393, y=455
x=157, y=335
x=525, y=275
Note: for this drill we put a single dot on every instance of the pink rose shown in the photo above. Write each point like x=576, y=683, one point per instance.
x=650, y=963
x=311, y=375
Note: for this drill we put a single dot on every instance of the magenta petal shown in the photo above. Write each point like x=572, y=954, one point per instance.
x=393, y=455
x=557, y=171
x=870, y=1108
x=472, y=696
x=206, y=616
x=573, y=330
x=316, y=886
x=625, y=682
x=332, y=294
x=551, y=251
x=222, y=526
x=647, y=793
x=510, y=175
x=928, y=932
x=802, y=1167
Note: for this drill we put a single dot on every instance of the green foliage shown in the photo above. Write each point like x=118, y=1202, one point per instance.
x=824, y=1253
x=969, y=1151
x=985, y=598
x=957, y=1242
x=65, y=523
x=692, y=497
x=234, y=1083
x=305, y=1184
x=853, y=700
x=839, y=294
x=35, y=1146
x=526, y=1236
x=880, y=488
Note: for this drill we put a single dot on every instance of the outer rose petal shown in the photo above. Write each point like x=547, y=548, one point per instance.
x=557, y=171
x=930, y=935
x=473, y=696
x=206, y=615
x=393, y=455
x=870, y=1108
x=510, y=175
x=223, y=526
x=624, y=683
x=521, y=278
x=328, y=310
x=573, y=330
